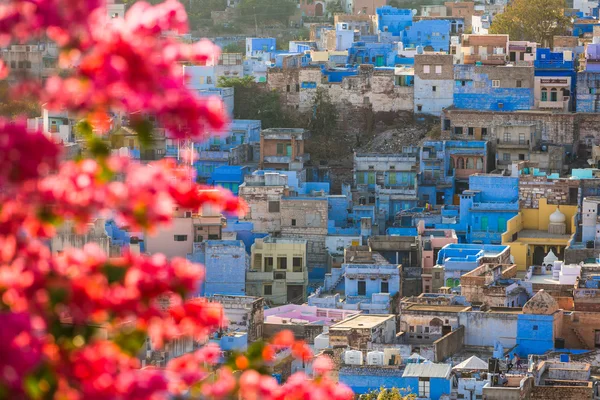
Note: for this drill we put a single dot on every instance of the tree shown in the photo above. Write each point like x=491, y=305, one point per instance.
x=74, y=323
x=388, y=394
x=322, y=123
x=335, y=7
x=533, y=20
x=236, y=47
x=254, y=101
x=266, y=11
x=13, y=107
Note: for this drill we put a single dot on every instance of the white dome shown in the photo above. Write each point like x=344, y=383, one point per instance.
x=557, y=217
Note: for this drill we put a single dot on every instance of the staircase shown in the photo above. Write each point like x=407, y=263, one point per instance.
x=581, y=339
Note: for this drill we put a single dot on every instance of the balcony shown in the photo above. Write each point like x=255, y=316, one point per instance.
x=489, y=59
x=555, y=105
x=512, y=144
x=259, y=276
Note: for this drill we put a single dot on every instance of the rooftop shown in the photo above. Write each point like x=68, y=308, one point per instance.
x=427, y=370
x=436, y=308
x=537, y=234
x=362, y=321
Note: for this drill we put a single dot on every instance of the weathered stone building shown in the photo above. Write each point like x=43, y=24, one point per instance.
x=306, y=218
x=555, y=191
x=263, y=195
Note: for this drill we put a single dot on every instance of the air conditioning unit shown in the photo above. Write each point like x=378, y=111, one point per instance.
x=375, y=358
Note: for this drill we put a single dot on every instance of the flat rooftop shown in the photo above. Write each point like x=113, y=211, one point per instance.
x=362, y=321
x=536, y=234
x=544, y=279
x=433, y=307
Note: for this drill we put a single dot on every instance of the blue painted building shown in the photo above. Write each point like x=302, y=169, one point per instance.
x=225, y=263
x=436, y=178
x=376, y=54
x=244, y=231
x=260, y=46
x=555, y=80
x=588, y=81
x=538, y=325
x=431, y=34
x=584, y=25
x=427, y=380
x=458, y=259
x=491, y=88
x=365, y=380
x=229, y=177
x=487, y=206
x=393, y=21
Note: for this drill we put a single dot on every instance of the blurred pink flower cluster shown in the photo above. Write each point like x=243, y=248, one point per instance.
x=71, y=324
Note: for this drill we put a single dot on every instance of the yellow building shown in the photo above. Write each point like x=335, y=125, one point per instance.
x=278, y=270
x=533, y=232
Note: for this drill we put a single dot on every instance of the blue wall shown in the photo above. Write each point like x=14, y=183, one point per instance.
x=487, y=98
x=437, y=386
x=588, y=92
x=363, y=382
x=229, y=177
x=370, y=53
x=535, y=334
x=428, y=33
x=393, y=20
x=225, y=267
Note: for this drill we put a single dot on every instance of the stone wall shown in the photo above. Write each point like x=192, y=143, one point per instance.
x=561, y=392
x=449, y=344
x=306, y=219
x=557, y=192
x=258, y=198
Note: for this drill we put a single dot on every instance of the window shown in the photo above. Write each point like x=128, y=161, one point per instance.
x=424, y=387
x=592, y=90
x=360, y=178
x=544, y=94
x=268, y=264
x=280, y=149
x=297, y=264
x=268, y=290
x=13, y=64
x=419, y=107
x=202, y=80
x=281, y=262
x=273, y=206
x=293, y=222
x=470, y=131
x=392, y=178
x=180, y=238
x=438, y=69
x=521, y=157
x=434, y=88
x=437, y=275
x=426, y=69
x=362, y=288
x=495, y=83
x=385, y=287
x=506, y=156
x=507, y=136
x=458, y=130
x=483, y=131
x=463, y=83
x=371, y=178
x=209, y=80
x=287, y=88
x=521, y=138
x=297, y=87
x=519, y=83
x=535, y=327
x=553, y=95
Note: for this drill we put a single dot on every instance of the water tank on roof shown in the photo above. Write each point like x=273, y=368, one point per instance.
x=419, y=49
x=353, y=357
x=375, y=358
x=400, y=47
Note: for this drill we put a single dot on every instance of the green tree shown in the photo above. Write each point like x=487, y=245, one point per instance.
x=236, y=47
x=388, y=394
x=20, y=106
x=335, y=7
x=253, y=101
x=533, y=20
x=266, y=11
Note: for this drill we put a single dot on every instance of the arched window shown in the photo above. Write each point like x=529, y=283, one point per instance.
x=470, y=163
x=461, y=163
x=544, y=94
x=553, y=95
x=480, y=164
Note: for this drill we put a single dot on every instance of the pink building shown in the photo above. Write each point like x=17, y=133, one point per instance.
x=305, y=314
x=432, y=240
x=364, y=6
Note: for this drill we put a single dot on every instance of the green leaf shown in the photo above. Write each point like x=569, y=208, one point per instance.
x=131, y=341
x=144, y=129
x=84, y=128
x=97, y=147
x=114, y=273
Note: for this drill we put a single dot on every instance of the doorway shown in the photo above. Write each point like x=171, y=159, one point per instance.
x=295, y=294
x=319, y=10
